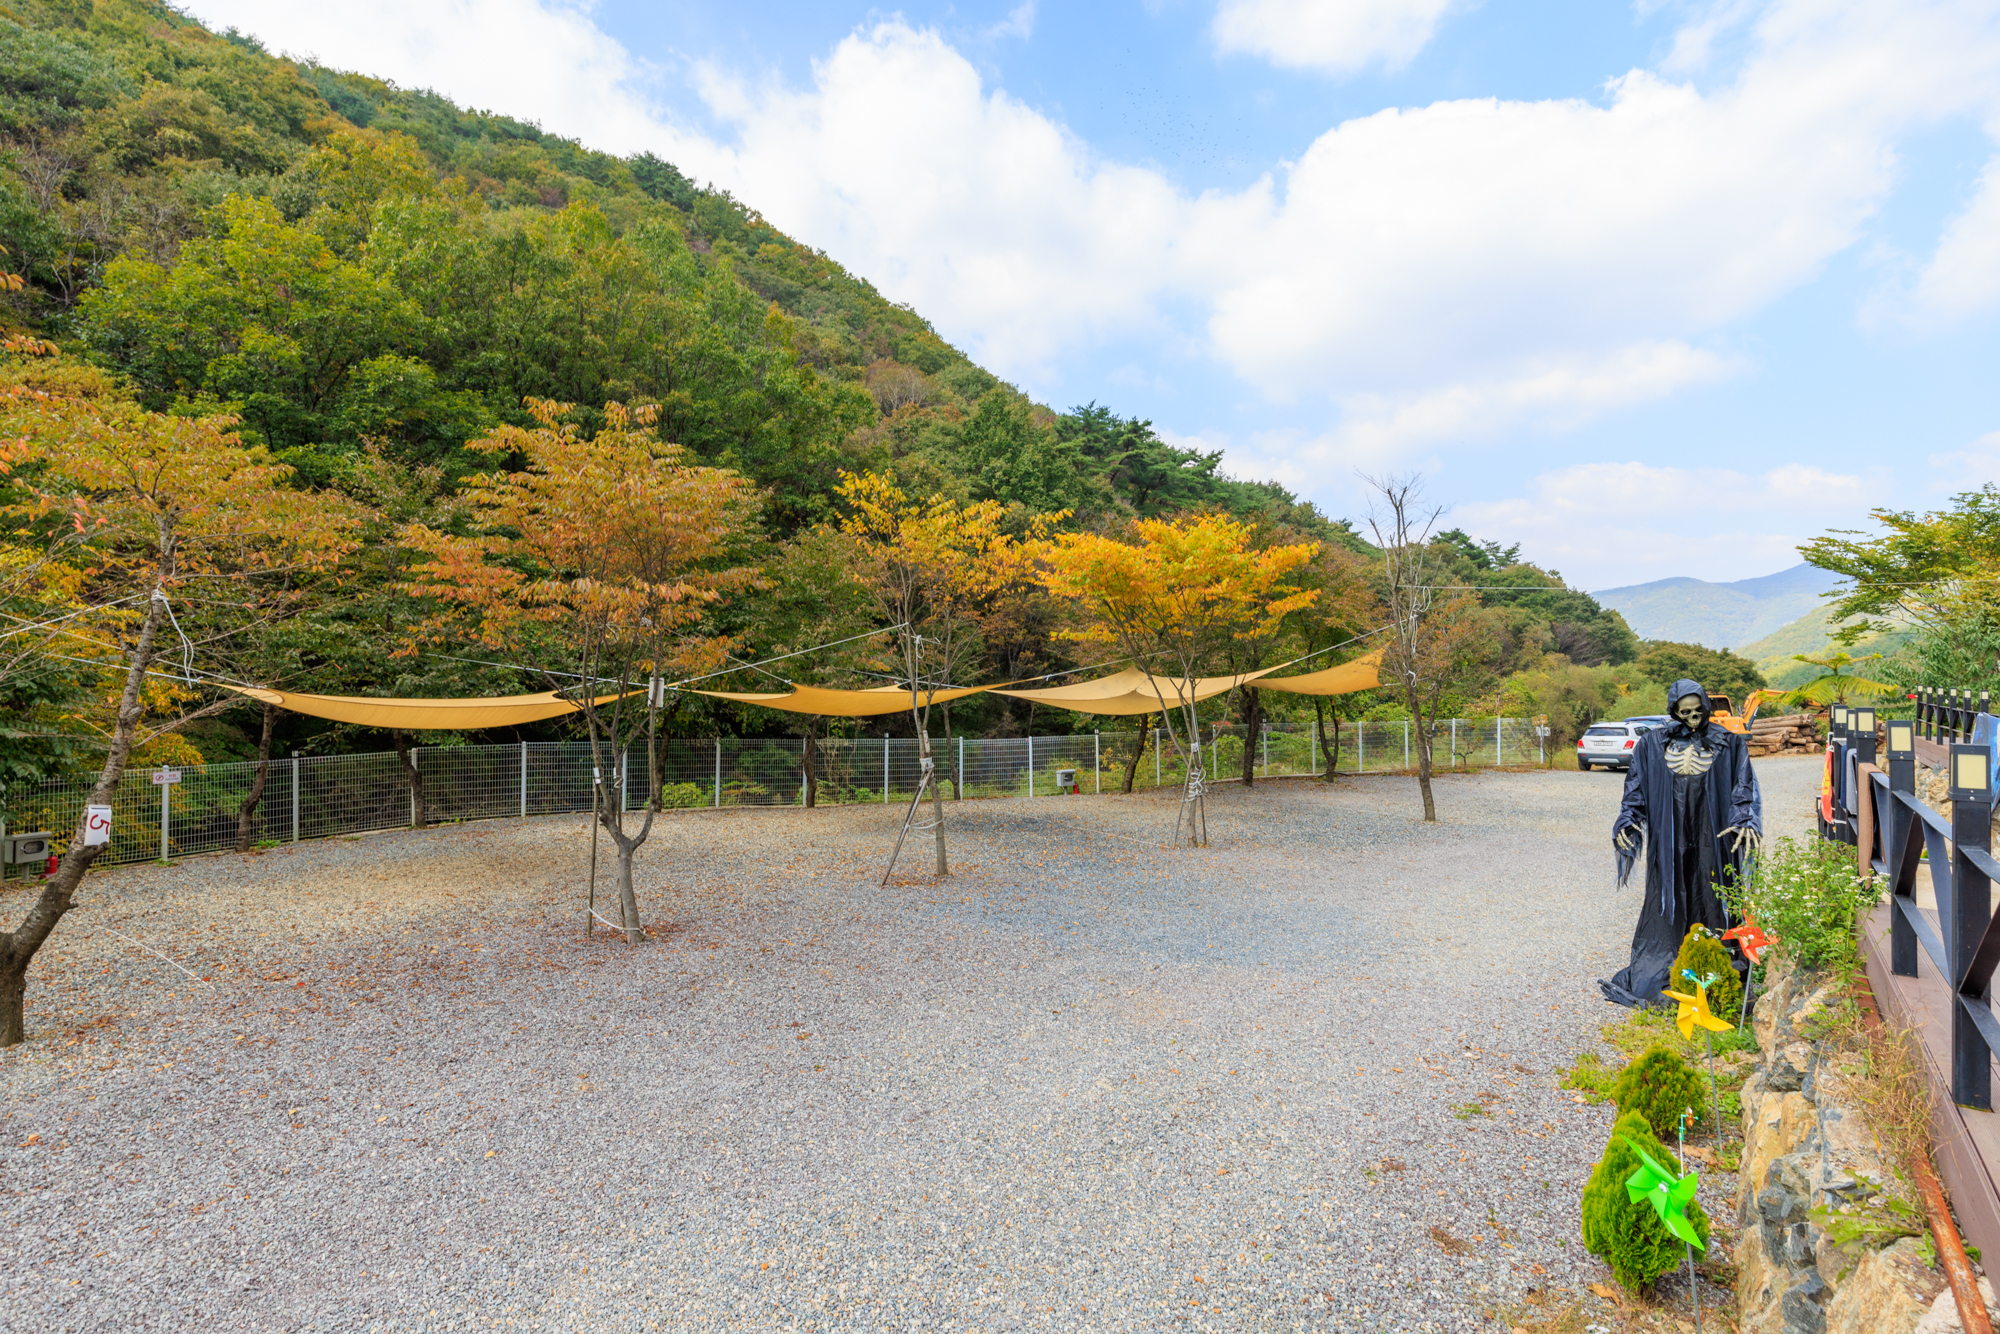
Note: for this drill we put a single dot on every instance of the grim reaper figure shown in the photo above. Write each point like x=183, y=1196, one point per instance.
x=1692, y=797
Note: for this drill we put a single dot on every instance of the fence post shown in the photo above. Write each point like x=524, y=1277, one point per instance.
x=1312, y=750
x=1265, y=737
x=885, y=768
x=413, y=790
x=802, y=771
x=718, y=773
x=524, y=780
x=1031, y=766
x=624, y=780
x=166, y=814
x=1406, y=743
x=1454, y=743
x=958, y=793
x=1360, y=745
x=1156, y=757
x=1097, y=759
x=295, y=796
x=1972, y=905
x=1497, y=745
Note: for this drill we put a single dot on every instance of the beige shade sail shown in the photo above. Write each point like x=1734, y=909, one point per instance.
x=418, y=715
x=1364, y=673
x=1129, y=693
x=870, y=703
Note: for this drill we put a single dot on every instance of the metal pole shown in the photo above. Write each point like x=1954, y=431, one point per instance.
x=718, y=773
x=1406, y=743
x=1266, y=738
x=1312, y=749
x=1497, y=751
x=413, y=790
x=958, y=793
x=1097, y=759
x=166, y=813
x=524, y=780
x=624, y=782
x=1361, y=743
x=1454, y=743
x=1156, y=758
x=802, y=771
x=1031, y=766
x=885, y=768
x=295, y=796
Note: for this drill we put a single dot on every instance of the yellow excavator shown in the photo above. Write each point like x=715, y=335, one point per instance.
x=1725, y=711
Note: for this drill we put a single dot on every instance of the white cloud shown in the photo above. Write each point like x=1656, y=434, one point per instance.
x=1333, y=36
x=1020, y=22
x=985, y=215
x=1441, y=274
x=1969, y=468
x=1609, y=524
x=1962, y=276
x=542, y=62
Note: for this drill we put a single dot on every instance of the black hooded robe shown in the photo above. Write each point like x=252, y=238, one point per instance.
x=1682, y=818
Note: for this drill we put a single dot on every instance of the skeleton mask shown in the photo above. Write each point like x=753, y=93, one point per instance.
x=1688, y=702
x=1690, y=711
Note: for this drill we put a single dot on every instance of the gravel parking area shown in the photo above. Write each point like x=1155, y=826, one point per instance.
x=1300, y=1080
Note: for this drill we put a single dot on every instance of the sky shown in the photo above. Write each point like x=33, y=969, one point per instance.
x=1652, y=291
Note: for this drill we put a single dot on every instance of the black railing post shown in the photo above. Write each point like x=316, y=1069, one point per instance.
x=1968, y=914
x=1899, y=827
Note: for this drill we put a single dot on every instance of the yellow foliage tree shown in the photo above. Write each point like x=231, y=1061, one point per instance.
x=933, y=565
x=1173, y=599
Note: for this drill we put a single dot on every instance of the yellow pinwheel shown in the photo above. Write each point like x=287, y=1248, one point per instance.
x=1694, y=1010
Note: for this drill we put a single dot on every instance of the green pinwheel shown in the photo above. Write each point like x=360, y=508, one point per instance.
x=1670, y=1194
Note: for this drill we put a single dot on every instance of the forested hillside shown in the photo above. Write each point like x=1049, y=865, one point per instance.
x=339, y=261
x=372, y=283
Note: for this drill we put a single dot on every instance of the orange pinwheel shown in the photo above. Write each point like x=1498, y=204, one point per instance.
x=1750, y=938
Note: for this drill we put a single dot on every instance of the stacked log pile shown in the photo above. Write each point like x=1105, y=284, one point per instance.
x=1786, y=734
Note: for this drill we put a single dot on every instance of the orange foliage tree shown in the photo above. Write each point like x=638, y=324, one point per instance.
x=1174, y=599
x=165, y=520
x=609, y=553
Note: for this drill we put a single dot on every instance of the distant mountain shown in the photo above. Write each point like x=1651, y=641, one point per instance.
x=1694, y=611
x=1812, y=634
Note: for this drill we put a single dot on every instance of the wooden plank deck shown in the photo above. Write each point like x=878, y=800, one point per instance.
x=1968, y=1141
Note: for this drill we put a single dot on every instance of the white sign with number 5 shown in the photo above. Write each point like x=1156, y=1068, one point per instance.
x=96, y=825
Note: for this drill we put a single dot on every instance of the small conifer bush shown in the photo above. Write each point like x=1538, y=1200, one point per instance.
x=1659, y=1086
x=1627, y=1234
x=1704, y=954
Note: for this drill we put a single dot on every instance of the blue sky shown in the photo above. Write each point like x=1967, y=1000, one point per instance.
x=1652, y=290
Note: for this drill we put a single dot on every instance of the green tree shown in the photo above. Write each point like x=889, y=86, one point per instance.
x=1719, y=671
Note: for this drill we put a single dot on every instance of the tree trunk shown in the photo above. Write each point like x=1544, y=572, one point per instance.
x=406, y=755
x=628, y=898
x=1423, y=730
x=1253, y=721
x=1138, y=751
x=810, y=754
x=249, y=806
x=18, y=947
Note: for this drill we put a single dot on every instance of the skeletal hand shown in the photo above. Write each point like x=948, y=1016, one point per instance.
x=1741, y=838
x=1626, y=840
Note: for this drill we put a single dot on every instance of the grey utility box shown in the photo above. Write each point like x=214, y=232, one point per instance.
x=1065, y=780
x=19, y=849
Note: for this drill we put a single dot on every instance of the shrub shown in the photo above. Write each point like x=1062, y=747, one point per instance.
x=1658, y=1087
x=1808, y=896
x=1703, y=954
x=1626, y=1234
x=683, y=795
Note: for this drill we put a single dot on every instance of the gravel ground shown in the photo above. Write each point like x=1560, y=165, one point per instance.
x=1302, y=1079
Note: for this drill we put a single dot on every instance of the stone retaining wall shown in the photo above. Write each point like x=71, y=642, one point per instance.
x=1805, y=1159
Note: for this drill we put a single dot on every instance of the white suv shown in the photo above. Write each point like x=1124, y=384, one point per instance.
x=1609, y=744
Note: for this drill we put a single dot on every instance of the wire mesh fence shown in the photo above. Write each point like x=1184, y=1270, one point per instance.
x=201, y=808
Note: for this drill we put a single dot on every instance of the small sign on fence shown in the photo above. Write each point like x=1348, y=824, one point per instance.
x=96, y=825
x=161, y=777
